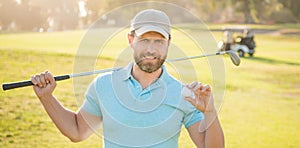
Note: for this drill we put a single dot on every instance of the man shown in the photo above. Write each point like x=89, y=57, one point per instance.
x=140, y=105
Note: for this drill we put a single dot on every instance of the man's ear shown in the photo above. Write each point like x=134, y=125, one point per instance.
x=130, y=39
x=169, y=42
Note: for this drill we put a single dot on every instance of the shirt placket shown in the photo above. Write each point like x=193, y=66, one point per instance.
x=141, y=94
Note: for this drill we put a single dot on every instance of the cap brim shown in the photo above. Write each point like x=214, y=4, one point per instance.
x=146, y=29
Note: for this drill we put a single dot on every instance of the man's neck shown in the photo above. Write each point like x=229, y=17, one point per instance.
x=145, y=78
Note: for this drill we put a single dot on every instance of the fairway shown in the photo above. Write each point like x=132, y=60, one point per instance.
x=261, y=106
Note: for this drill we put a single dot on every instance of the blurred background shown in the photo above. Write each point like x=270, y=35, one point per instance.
x=54, y=15
x=261, y=104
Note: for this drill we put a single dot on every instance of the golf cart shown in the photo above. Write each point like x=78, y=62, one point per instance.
x=241, y=44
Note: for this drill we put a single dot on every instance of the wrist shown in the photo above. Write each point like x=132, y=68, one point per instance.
x=46, y=97
x=209, y=118
x=210, y=107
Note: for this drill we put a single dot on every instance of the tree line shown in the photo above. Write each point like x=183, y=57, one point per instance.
x=48, y=15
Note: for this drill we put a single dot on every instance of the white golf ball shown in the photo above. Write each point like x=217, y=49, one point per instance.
x=186, y=92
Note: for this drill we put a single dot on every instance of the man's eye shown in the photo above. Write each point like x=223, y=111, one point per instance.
x=145, y=40
x=158, y=41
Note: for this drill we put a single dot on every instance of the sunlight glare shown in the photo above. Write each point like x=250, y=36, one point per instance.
x=82, y=10
x=18, y=1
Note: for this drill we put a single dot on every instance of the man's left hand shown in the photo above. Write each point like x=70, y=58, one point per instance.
x=203, y=99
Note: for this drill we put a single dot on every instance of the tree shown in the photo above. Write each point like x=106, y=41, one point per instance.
x=6, y=17
x=95, y=8
x=28, y=17
x=58, y=14
x=292, y=6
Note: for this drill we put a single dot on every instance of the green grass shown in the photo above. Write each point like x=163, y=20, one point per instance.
x=260, y=109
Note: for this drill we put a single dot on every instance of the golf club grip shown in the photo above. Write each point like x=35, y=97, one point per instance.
x=29, y=83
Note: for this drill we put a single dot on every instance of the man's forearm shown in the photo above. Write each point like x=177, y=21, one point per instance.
x=214, y=137
x=64, y=119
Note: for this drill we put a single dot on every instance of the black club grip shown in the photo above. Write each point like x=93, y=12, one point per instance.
x=29, y=83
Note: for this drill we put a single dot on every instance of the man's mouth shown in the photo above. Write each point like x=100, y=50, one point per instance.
x=149, y=57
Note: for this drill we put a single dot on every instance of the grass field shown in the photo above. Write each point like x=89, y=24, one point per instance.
x=261, y=106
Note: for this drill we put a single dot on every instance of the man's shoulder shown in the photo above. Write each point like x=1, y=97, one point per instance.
x=173, y=81
x=117, y=73
x=104, y=76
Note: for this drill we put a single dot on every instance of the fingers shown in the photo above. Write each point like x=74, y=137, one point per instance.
x=46, y=77
x=192, y=85
x=36, y=80
x=195, y=86
x=43, y=79
x=203, y=96
x=205, y=88
x=191, y=100
x=198, y=104
x=49, y=78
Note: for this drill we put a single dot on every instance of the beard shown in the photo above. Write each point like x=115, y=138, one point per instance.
x=151, y=66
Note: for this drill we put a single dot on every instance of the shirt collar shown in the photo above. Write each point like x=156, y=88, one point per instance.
x=127, y=71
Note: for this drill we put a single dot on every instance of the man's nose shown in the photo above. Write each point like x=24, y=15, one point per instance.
x=151, y=47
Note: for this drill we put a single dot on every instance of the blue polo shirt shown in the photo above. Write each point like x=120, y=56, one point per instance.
x=136, y=117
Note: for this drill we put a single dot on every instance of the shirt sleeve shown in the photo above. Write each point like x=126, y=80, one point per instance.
x=91, y=102
x=192, y=117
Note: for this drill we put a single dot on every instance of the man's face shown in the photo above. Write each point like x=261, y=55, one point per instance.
x=150, y=51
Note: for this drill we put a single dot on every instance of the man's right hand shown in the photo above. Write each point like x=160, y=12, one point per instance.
x=44, y=84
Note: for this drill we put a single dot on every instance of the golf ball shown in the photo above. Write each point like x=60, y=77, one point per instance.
x=186, y=92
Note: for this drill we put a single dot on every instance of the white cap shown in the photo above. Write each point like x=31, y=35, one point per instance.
x=151, y=20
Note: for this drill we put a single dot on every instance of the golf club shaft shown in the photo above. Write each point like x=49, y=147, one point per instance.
x=198, y=56
x=64, y=77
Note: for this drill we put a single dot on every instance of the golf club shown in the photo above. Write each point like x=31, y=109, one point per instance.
x=234, y=58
